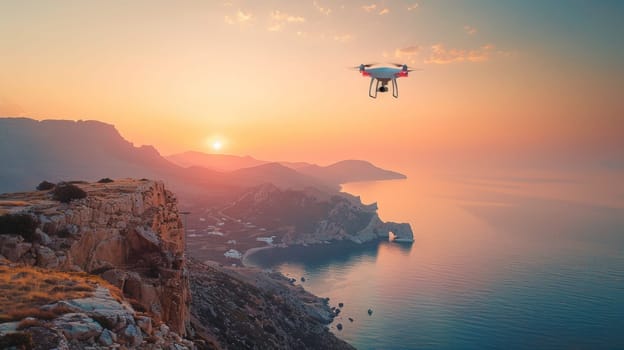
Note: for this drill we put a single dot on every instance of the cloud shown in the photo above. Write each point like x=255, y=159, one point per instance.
x=343, y=38
x=240, y=17
x=324, y=10
x=407, y=53
x=284, y=17
x=470, y=30
x=442, y=55
x=276, y=27
x=279, y=19
x=384, y=11
x=412, y=7
x=369, y=8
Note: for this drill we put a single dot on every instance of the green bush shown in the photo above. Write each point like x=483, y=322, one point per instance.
x=45, y=185
x=19, y=224
x=105, y=180
x=66, y=192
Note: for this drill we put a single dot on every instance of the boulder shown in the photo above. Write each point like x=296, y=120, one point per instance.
x=78, y=326
x=101, y=306
x=107, y=338
x=13, y=247
x=42, y=237
x=46, y=258
x=45, y=338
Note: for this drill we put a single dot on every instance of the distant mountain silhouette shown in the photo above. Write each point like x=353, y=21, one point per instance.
x=59, y=150
x=280, y=176
x=337, y=173
x=349, y=171
x=220, y=162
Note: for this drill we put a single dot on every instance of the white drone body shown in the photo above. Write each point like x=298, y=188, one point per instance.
x=384, y=75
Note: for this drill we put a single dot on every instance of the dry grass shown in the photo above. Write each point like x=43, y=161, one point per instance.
x=23, y=290
x=11, y=203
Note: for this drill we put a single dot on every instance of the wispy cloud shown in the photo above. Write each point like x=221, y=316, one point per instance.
x=239, y=17
x=369, y=8
x=279, y=19
x=324, y=10
x=407, y=53
x=275, y=27
x=384, y=11
x=470, y=30
x=343, y=38
x=441, y=55
x=284, y=17
x=412, y=7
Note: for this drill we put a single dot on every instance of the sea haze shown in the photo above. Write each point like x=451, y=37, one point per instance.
x=513, y=261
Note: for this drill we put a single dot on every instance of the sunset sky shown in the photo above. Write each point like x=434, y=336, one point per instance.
x=270, y=78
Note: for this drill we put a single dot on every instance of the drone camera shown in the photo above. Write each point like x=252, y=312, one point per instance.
x=383, y=89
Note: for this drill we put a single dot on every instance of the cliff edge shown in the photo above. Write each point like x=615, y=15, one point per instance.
x=125, y=236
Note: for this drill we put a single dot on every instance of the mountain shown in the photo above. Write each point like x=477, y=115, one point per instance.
x=60, y=150
x=219, y=162
x=337, y=173
x=55, y=150
x=349, y=171
x=280, y=176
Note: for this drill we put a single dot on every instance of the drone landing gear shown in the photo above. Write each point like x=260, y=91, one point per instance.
x=383, y=88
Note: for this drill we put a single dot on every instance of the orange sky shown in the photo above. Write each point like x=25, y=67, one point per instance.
x=269, y=79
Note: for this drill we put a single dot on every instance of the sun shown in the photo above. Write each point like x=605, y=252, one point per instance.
x=217, y=145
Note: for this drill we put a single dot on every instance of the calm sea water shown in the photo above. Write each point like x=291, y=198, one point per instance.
x=522, y=261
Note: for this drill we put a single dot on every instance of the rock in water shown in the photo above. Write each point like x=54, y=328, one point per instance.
x=350, y=319
x=370, y=312
x=339, y=326
x=340, y=304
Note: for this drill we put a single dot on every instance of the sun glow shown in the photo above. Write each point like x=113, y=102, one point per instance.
x=217, y=145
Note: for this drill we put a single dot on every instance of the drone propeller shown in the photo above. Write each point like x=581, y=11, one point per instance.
x=363, y=66
x=398, y=64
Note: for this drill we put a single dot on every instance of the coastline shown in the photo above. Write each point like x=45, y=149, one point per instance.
x=252, y=251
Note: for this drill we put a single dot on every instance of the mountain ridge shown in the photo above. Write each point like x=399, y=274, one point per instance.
x=58, y=150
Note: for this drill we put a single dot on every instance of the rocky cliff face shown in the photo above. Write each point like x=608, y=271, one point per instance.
x=242, y=308
x=313, y=216
x=128, y=232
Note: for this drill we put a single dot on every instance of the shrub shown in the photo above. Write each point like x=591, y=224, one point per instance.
x=105, y=180
x=45, y=185
x=66, y=192
x=20, y=224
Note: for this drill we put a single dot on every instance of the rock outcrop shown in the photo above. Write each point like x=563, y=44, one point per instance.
x=243, y=308
x=128, y=232
x=312, y=216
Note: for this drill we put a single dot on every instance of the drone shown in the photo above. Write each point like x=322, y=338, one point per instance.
x=383, y=75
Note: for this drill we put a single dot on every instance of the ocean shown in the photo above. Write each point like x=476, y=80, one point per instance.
x=499, y=261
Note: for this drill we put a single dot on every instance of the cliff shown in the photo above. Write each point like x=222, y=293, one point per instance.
x=313, y=216
x=128, y=233
x=245, y=308
x=109, y=271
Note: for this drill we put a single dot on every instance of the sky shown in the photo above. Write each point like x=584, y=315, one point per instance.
x=270, y=79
